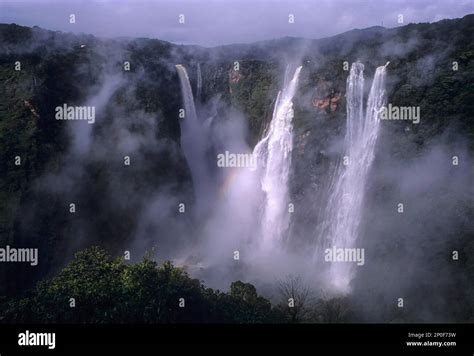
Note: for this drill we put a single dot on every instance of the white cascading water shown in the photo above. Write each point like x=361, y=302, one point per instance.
x=273, y=154
x=344, y=212
x=193, y=142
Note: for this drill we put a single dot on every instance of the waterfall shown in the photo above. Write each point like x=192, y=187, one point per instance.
x=344, y=212
x=274, y=156
x=198, y=83
x=193, y=142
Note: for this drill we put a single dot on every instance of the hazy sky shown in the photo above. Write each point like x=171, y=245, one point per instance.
x=214, y=22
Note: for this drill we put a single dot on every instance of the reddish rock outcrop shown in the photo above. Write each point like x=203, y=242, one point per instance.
x=234, y=77
x=328, y=104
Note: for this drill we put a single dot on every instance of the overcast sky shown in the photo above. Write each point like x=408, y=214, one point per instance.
x=215, y=22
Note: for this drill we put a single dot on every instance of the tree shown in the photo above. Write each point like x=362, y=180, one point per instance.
x=106, y=290
x=332, y=310
x=296, y=298
x=248, y=306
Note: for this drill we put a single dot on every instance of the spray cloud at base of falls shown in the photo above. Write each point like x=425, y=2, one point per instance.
x=340, y=228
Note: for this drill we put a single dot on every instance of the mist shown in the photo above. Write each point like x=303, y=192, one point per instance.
x=230, y=161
